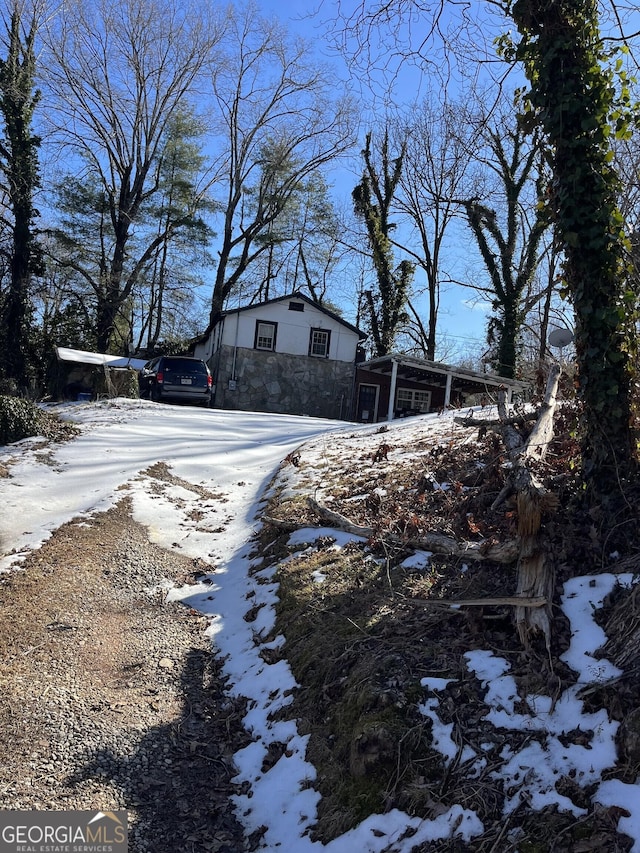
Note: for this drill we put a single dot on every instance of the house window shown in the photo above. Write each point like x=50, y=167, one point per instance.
x=265, y=336
x=408, y=399
x=296, y=306
x=319, y=342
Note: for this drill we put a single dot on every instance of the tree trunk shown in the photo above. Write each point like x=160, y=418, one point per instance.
x=535, y=565
x=509, y=331
x=19, y=167
x=572, y=94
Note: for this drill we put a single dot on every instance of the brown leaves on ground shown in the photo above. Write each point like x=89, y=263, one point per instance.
x=359, y=646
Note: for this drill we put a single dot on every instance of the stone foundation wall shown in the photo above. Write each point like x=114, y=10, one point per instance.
x=283, y=383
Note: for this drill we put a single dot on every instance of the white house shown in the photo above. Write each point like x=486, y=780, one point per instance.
x=287, y=355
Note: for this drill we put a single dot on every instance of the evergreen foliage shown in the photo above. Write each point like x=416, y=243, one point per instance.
x=165, y=249
x=573, y=98
x=303, y=246
x=21, y=418
x=19, y=169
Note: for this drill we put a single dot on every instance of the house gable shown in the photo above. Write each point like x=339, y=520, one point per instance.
x=291, y=324
x=297, y=302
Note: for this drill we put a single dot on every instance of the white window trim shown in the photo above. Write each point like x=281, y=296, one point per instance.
x=274, y=329
x=410, y=401
x=327, y=339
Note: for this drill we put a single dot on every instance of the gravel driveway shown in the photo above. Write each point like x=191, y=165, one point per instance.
x=109, y=697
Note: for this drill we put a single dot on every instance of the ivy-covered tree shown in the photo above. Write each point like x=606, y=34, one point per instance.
x=573, y=98
x=372, y=199
x=509, y=243
x=20, y=174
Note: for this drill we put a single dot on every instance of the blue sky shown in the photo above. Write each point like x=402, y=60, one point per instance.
x=462, y=318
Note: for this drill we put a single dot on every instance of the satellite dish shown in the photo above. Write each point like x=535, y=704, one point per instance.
x=560, y=338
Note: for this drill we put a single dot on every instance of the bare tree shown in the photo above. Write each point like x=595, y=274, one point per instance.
x=572, y=100
x=438, y=141
x=117, y=72
x=278, y=122
x=510, y=248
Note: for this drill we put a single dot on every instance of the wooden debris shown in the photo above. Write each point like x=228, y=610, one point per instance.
x=437, y=543
x=535, y=570
x=381, y=453
x=500, y=601
x=339, y=521
x=535, y=565
x=493, y=423
x=282, y=523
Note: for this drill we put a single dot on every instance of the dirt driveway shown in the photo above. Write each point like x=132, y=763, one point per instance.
x=109, y=697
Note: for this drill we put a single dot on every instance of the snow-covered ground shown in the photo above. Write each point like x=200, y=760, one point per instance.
x=233, y=456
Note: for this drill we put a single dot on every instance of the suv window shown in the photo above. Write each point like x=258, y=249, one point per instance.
x=183, y=365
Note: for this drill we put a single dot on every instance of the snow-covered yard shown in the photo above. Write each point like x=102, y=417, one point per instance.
x=235, y=456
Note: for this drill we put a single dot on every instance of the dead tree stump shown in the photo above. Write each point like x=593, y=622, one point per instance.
x=536, y=570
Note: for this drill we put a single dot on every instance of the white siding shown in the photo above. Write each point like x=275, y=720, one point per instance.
x=294, y=328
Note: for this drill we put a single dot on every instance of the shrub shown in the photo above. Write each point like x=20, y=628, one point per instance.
x=20, y=418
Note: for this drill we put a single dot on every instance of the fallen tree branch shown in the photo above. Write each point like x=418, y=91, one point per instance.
x=505, y=492
x=535, y=569
x=282, y=523
x=437, y=543
x=339, y=521
x=542, y=432
x=494, y=423
x=507, y=600
x=501, y=552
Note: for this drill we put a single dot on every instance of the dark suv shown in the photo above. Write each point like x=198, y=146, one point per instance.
x=176, y=378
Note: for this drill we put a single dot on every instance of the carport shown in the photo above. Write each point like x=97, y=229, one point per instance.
x=84, y=375
x=398, y=385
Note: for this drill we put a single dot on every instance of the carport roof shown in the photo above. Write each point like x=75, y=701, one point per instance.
x=98, y=358
x=414, y=369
